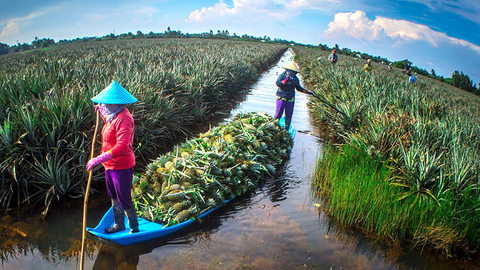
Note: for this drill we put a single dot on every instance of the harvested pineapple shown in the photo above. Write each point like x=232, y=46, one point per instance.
x=204, y=172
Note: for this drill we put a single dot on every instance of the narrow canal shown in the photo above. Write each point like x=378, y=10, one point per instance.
x=276, y=226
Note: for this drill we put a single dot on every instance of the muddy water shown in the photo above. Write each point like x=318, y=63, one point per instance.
x=276, y=226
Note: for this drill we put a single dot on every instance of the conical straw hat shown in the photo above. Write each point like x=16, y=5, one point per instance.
x=114, y=94
x=292, y=66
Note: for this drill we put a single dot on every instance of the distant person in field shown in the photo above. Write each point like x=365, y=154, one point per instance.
x=411, y=77
x=368, y=66
x=333, y=57
x=390, y=67
x=287, y=83
x=408, y=67
x=117, y=155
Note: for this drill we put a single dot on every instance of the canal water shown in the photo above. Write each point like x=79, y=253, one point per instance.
x=276, y=226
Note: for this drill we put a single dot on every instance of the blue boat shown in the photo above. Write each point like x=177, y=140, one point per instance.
x=150, y=230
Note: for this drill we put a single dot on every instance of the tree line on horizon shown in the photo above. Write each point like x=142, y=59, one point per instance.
x=458, y=79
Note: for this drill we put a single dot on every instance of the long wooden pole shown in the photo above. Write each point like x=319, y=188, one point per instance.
x=87, y=192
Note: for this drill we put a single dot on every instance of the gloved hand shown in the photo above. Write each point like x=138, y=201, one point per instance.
x=289, y=78
x=98, y=160
x=99, y=108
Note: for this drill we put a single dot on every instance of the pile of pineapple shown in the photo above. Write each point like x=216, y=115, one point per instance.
x=204, y=172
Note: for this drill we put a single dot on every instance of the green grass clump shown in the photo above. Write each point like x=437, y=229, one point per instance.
x=358, y=190
x=428, y=133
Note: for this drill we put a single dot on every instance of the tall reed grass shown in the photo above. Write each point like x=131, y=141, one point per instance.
x=426, y=134
x=47, y=118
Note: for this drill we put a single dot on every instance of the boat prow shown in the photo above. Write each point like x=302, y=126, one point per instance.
x=148, y=230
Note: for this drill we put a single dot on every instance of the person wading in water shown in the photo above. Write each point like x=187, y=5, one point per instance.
x=287, y=83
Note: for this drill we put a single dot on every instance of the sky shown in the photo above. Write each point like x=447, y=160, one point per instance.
x=443, y=35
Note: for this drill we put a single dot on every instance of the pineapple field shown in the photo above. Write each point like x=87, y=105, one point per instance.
x=47, y=118
x=402, y=159
x=277, y=197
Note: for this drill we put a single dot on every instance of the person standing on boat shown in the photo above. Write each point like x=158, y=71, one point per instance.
x=287, y=83
x=117, y=155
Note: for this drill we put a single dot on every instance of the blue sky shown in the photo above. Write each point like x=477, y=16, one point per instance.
x=443, y=35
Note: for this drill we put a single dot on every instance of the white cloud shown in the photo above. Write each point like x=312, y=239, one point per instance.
x=354, y=24
x=10, y=29
x=145, y=15
x=14, y=25
x=251, y=3
x=312, y=4
x=218, y=10
x=95, y=18
x=255, y=10
x=357, y=25
x=146, y=10
x=408, y=31
x=435, y=4
x=468, y=9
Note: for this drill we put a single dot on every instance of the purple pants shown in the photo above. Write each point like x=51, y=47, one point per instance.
x=119, y=186
x=282, y=106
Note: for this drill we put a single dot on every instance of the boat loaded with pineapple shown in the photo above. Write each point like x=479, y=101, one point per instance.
x=202, y=174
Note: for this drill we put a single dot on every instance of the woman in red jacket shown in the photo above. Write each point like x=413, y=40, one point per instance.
x=117, y=155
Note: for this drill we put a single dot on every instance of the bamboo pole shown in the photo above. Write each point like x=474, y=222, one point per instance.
x=87, y=191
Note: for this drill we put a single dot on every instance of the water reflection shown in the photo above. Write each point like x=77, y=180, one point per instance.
x=12, y=243
x=387, y=254
x=26, y=237
x=111, y=259
x=114, y=256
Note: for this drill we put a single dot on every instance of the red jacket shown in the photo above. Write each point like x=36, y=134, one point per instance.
x=117, y=137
